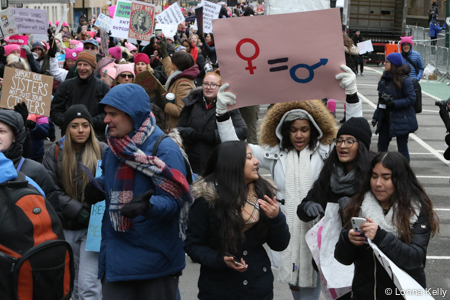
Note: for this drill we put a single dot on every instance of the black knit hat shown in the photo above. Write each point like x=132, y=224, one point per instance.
x=75, y=111
x=359, y=128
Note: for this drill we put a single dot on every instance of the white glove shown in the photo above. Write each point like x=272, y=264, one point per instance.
x=348, y=81
x=224, y=99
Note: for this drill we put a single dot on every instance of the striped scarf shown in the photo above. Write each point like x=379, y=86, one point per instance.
x=132, y=158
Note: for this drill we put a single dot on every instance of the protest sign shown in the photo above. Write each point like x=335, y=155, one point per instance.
x=121, y=20
x=33, y=88
x=172, y=15
x=149, y=82
x=365, y=47
x=30, y=21
x=259, y=8
x=141, y=21
x=94, y=234
x=63, y=19
x=104, y=22
x=61, y=59
x=210, y=12
x=303, y=69
x=7, y=25
x=167, y=29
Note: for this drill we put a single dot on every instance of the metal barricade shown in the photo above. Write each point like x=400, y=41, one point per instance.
x=442, y=62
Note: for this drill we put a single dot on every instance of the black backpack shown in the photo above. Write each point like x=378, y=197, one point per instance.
x=417, y=88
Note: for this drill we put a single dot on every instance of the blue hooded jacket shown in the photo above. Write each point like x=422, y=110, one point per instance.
x=153, y=247
x=415, y=57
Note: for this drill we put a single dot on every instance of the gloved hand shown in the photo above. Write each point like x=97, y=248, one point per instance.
x=93, y=195
x=374, y=122
x=348, y=80
x=224, y=99
x=313, y=209
x=137, y=206
x=53, y=47
x=31, y=124
x=22, y=109
x=387, y=99
x=163, y=48
x=26, y=48
x=160, y=100
x=390, y=103
x=83, y=217
x=342, y=203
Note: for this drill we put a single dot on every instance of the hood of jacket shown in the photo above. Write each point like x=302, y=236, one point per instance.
x=189, y=73
x=193, y=96
x=317, y=112
x=139, y=106
x=8, y=170
x=204, y=189
x=353, y=50
x=15, y=121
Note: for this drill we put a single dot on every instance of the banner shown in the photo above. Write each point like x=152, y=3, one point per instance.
x=172, y=15
x=33, y=88
x=7, y=25
x=296, y=71
x=141, y=21
x=210, y=12
x=104, y=22
x=94, y=234
x=121, y=20
x=365, y=47
x=30, y=21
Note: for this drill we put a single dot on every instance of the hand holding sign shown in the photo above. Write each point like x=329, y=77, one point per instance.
x=224, y=99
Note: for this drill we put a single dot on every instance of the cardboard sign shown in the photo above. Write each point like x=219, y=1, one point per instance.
x=210, y=12
x=104, y=22
x=121, y=20
x=7, y=24
x=172, y=15
x=33, y=88
x=365, y=47
x=141, y=21
x=94, y=234
x=149, y=82
x=296, y=71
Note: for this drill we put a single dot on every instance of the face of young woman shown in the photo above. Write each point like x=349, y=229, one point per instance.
x=208, y=38
x=387, y=65
x=140, y=67
x=347, y=151
x=251, y=167
x=194, y=39
x=300, y=134
x=125, y=77
x=70, y=62
x=79, y=130
x=188, y=46
x=209, y=92
x=6, y=137
x=382, y=185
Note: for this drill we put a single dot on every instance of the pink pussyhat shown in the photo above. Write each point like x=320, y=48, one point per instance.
x=72, y=53
x=125, y=68
x=115, y=52
x=65, y=24
x=406, y=39
x=109, y=70
x=57, y=23
x=130, y=46
x=11, y=48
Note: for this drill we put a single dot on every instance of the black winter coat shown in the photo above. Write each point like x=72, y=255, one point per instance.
x=219, y=282
x=195, y=117
x=408, y=257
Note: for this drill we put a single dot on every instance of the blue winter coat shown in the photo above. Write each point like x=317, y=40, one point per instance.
x=152, y=248
x=415, y=57
x=402, y=118
x=434, y=28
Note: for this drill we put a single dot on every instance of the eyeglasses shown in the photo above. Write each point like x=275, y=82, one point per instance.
x=89, y=48
x=387, y=62
x=210, y=85
x=126, y=75
x=348, y=143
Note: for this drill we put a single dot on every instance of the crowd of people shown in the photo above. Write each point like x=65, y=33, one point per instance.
x=180, y=172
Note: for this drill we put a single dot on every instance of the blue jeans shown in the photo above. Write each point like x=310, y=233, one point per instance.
x=308, y=293
x=384, y=139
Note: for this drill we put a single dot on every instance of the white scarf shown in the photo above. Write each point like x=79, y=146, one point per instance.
x=296, y=261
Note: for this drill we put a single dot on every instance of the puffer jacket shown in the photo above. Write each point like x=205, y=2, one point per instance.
x=70, y=207
x=402, y=118
x=153, y=247
x=217, y=281
x=196, y=117
x=415, y=57
x=434, y=28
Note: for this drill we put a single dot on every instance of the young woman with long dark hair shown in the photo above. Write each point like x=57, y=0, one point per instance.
x=234, y=214
x=400, y=219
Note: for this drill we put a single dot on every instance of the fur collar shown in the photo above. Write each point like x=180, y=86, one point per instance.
x=193, y=96
x=204, y=189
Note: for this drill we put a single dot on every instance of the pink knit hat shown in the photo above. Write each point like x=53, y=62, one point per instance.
x=125, y=68
x=109, y=70
x=11, y=48
x=65, y=24
x=74, y=42
x=72, y=53
x=406, y=39
x=130, y=46
x=57, y=23
x=116, y=52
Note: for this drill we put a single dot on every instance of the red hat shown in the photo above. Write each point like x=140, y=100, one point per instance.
x=142, y=57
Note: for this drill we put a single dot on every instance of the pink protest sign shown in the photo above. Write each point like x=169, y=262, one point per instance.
x=279, y=58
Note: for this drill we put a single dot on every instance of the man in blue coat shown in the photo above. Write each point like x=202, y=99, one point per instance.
x=147, y=197
x=411, y=58
x=435, y=28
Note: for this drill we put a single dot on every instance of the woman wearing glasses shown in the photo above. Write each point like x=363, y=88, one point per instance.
x=197, y=123
x=124, y=74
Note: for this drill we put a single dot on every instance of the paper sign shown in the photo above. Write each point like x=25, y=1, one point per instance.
x=61, y=59
x=33, y=88
x=149, y=82
x=121, y=20
x=111, y=10
x=63, y=19
x=365, y=47
x=291, y=73
x=30, y=21
x=104, y=22
x=94, y=234
x=7, y=24
x=210, y=12
x=167, y=29
x=259, y=8
x=141, y=21
x=172, y=15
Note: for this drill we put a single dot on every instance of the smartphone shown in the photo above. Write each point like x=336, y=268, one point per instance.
x=158, y=34
x=357, y=222
x=236, y=261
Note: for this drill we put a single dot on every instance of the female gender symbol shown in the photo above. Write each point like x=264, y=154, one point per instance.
x=248, y=59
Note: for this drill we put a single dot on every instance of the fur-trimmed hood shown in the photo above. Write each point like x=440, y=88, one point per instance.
x=204, y=189
x=193, y=96
x=316, y=110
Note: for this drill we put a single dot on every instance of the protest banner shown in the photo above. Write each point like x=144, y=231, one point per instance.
x=210, y=12
x=63, y=19
x=172, y=15
x=303, y=69
x=30, y=21
x=141, y=21
x=365, y=47
x=61, y=59
x=149, y=82
x=104, y=22
x=121, y=20
x=7, y=25
x=94, y=234
x=33, y=88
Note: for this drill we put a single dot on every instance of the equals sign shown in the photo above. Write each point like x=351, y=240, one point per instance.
x=277, y=61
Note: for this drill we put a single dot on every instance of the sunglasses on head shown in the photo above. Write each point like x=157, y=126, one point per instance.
x=126, y=75
x=90, y=48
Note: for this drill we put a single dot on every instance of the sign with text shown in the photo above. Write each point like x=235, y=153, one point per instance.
x=172, y=15
x=365, y=47
x=141, y=21
x=210, y=12
x=103, y=21
x=167, y=29
x=61, y=60
x=7, y=24
x=30, y=21
x=33, y=88
x=94, y=234
x=149, y=82
x=121, y=20
x=290, y=73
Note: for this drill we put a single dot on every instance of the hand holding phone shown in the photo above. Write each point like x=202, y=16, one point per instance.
x=234, y=263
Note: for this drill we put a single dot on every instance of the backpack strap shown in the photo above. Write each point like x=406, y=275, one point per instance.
x=20, y=164
x=158, y=141
x=411, y=62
